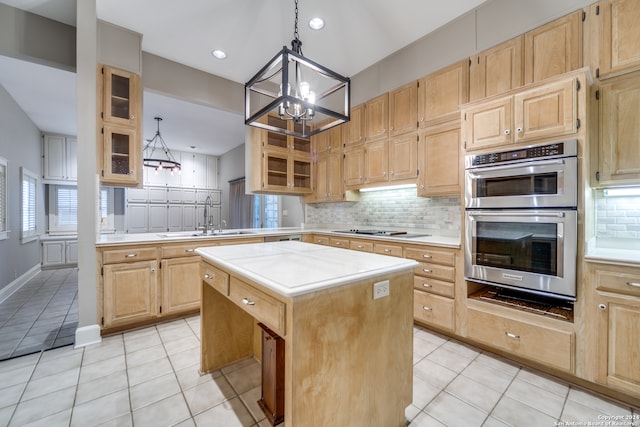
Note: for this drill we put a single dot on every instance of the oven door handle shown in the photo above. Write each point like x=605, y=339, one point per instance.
x=527, y=214
x=514, y=166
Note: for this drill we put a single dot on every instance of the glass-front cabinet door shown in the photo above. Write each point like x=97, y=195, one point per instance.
x=121, y=97
x=120, y=163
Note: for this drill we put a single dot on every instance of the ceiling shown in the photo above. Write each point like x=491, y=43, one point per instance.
x=357, y=34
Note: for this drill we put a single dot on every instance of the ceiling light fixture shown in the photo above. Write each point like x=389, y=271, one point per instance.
x=293, y=95
x=316, y=23
x=163, y=159
x=220, y=54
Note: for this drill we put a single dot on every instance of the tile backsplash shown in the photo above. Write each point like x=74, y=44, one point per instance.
x=617, y=217
x=399, y=208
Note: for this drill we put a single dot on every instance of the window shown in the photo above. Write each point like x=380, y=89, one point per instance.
x=29, y=206
x=3, y=199
x=63, y=208
x=266, y=212
x=107, y=224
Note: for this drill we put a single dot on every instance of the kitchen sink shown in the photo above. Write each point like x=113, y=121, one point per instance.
x=201, y=234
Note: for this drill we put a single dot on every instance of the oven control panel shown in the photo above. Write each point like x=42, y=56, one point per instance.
x=545, y=151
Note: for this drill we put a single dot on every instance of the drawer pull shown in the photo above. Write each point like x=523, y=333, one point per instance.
x=426, y=285
x=360, y=246
x=208, y=276
x=189, y=250
x=131, y=255
x=633, y=284
x=426, y=256
x=246, y=301
x=425, y=308
x=338, y=243
x=387, y=250
x=426, y=270
x=512, y=335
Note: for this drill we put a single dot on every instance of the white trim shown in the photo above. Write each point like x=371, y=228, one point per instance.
x=87, y=335
x=12, y=287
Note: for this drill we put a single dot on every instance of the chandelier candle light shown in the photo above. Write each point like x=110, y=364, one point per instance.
x=164, y=159
x=293, y=95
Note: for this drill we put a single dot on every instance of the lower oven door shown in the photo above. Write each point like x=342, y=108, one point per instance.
x=531, y=250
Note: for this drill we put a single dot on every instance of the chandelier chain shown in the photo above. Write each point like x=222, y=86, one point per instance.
x=296, y=35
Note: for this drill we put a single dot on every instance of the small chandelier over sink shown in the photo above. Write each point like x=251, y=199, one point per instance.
x=293, y=95
x=157, y=155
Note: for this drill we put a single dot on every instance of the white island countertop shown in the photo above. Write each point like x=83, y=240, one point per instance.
x=293, y=268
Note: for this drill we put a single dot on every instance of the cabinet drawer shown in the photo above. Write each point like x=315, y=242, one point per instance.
x=339, y=243
x=180, y=250
x=624, y=280
x=433, y=309
x=384, y=249
x=357, y=245
x=215, y=278
x=261, y=306
x=114, y=256
x=552, y=347
x=430, y=255
x=442, y=272
x=320, y=240
x=434, y=286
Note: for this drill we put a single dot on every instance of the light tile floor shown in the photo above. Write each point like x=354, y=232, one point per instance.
x=149, y=377
x=42, y=314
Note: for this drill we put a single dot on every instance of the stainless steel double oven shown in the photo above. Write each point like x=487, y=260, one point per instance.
x=521, y=218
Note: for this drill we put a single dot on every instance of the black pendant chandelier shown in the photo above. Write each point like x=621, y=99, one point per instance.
x=296, y=96
x=157, y=155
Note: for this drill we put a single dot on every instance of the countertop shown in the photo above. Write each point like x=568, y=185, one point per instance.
x=293, y=268
x=187, y=236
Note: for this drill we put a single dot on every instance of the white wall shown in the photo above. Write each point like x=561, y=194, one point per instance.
x=20, y=144
x=231, y=167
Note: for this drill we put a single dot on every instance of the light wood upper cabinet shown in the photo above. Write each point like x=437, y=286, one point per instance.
x=619, y=149
x=554, y=48
x=353, y=130
x=376, y=161
x=119, y=111
x=403, y=109
x=488, y=124
x=619, y=33
x=377, y=118
x=544, y=110
x=440, y=94
x=548, y=110
x=353, y=167
x=328, y=181
x=403, y=157
x=328, y=141
x=439, y=155
x=496, y=70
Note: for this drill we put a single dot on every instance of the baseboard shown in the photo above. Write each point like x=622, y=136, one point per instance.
x=12, y=287
x=87, y=335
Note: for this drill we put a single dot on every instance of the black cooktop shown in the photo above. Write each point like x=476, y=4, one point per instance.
x=389, y=233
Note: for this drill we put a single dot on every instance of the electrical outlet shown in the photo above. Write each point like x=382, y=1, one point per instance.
x=381, y=289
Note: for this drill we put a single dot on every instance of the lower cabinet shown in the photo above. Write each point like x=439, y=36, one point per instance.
x=544, y=344
x=130, y=293
x=180, y=284
x=433, y=309
x=616, y=306
x=59, y=253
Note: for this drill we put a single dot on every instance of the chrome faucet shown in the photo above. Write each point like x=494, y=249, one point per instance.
x=207, y=222
x=222, y=222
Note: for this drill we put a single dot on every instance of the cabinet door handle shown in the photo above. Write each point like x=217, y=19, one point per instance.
x=507, y=131
x=153, y=270
x=512, y=335
x=602, y=307
x=633, y=284
x=247, y=301
x=131, y=255
x=519, y=130
x=425, y=308
x=208, y=276
x=189, y=250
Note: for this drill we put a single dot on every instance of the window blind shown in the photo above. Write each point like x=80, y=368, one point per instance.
x=3, y=195
x=67, y=207
x=29, y=220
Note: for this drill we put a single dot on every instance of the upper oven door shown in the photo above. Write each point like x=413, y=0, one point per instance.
x=531, y=184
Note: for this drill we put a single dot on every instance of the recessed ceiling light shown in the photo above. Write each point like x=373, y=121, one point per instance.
x=220, y=54
x=316, y=23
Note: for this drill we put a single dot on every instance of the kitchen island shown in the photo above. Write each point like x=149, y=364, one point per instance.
x=346, y=318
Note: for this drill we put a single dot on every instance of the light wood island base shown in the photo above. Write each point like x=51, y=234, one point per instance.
x=348, y=357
